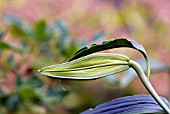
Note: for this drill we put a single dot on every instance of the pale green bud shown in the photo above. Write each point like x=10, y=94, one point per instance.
x=88, y=67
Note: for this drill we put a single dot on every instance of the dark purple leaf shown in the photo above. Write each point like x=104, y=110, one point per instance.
x=129, y=105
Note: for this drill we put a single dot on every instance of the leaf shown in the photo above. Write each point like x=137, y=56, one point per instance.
x=19, y=27
x=42, y=32
x=89, y=67
x=129, y=105
x=118, y=43
x=4, y=45
x=27, y=92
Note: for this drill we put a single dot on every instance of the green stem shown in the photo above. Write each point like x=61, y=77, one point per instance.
x=148, y=85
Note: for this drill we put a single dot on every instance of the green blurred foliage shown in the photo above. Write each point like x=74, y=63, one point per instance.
x=45, y=44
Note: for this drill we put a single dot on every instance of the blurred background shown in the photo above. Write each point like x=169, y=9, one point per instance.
x=38, y=33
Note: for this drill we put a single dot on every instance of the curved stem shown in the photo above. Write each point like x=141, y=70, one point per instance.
x=148, y=85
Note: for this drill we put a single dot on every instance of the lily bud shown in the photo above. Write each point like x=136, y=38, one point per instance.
x=88, y=67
